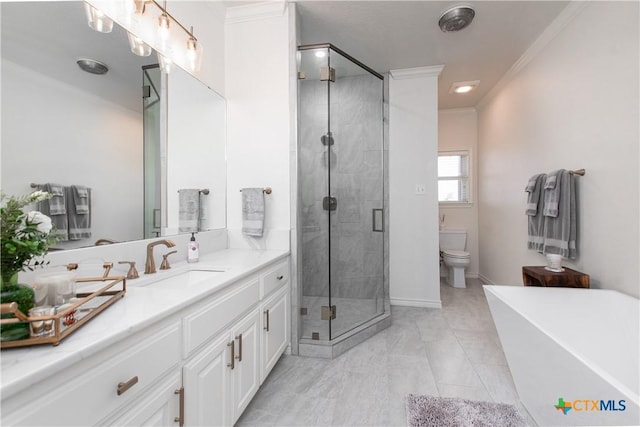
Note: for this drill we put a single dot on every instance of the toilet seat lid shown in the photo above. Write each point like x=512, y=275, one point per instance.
x=456, y=254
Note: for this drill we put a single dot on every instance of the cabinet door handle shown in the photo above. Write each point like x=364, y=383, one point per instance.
x=232, y=364
x=280, y=277
x=180, y=417
x=123, y=387
x=266, y=327
x=239, y=356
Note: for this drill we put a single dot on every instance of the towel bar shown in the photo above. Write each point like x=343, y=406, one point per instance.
x=265, y=190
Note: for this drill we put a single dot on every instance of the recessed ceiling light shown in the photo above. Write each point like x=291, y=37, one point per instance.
x=464, y=87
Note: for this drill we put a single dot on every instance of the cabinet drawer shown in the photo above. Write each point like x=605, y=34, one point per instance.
x=275, y=278
x=87, y=396
x=209, y=320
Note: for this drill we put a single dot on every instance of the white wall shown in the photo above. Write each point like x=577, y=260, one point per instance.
x=458, y=130
x=259, y=116
x=413, y=219
x=575, y=105
x=38, y=113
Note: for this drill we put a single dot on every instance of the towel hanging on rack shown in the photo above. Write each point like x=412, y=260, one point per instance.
x=188, y=210
x=253, y=211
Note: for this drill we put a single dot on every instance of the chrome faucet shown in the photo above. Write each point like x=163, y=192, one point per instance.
x=150, y=264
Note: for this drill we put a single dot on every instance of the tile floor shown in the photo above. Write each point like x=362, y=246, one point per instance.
x=452, y=352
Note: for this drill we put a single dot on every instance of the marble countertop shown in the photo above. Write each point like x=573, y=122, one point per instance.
x=145, y=303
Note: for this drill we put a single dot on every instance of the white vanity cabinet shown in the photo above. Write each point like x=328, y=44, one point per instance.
x=201, y=365
x=160, y=407
x=88, y=392
x=275, y=316
x=221, y=379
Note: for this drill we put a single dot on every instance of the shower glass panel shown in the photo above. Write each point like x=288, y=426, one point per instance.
x=151, y=80
x=341, y=193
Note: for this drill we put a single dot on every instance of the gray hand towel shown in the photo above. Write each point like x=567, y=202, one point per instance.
x=81, y=199
x=188, y=210
x=55, y=208
x=79, y=222
x=552, y=190
x=253, y=211
x=535, y=219
x=534, y=188
x=560, y=232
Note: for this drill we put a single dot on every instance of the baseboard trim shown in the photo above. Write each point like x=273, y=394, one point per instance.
x=486, y=281
x=416, y=303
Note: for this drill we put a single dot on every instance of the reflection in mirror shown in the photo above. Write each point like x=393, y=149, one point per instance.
x=63, y=125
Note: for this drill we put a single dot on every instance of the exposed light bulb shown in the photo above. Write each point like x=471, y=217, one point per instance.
x=97, y=20
x=165, y=62
x=164, y=25
x=138, y=46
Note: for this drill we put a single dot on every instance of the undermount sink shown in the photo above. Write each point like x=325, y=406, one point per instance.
x=183, y=279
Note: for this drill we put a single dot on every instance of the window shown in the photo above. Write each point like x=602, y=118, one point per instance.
x=453, y=177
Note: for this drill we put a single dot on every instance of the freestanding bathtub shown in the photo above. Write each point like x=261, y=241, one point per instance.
x=573, y=353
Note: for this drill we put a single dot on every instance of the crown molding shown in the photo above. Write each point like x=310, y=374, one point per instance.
x=416, y=73
x=556, y=27
x=255, y=11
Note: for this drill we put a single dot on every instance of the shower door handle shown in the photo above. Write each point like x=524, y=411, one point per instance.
x=377, y=220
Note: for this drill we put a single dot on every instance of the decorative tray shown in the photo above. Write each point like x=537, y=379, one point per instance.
x=68, y=317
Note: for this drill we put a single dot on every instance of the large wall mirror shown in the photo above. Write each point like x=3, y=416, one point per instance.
x=66, y=126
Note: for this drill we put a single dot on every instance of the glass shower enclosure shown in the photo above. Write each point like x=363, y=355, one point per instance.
x=340, y=193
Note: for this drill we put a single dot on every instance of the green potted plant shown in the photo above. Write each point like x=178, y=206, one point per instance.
x=26, y=237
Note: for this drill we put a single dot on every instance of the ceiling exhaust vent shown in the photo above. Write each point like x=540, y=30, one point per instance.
x=92, y=66
x=456, y=18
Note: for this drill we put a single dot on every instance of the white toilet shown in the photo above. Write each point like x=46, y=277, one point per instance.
x=455, y=258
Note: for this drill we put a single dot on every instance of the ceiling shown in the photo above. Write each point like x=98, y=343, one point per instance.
x=385, y=35
x=389, y=35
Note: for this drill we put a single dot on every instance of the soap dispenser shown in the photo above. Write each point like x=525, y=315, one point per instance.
x=193, y=249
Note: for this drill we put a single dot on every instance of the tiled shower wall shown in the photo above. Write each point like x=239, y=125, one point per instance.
x=356, y=165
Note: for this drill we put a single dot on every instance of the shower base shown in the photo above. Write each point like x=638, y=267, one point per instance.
x=351, y=311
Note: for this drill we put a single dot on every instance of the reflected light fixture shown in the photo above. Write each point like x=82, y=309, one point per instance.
x=97, y=19
x=320, y=54
x=137, y=46
x=464, y=87
x=165, y=62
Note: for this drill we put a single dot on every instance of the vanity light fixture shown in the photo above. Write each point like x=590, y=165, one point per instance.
x=151, y=26
x=97, y=20
x=464, y=87
x=137, y=46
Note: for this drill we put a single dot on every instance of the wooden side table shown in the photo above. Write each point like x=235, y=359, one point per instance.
x=540, y=276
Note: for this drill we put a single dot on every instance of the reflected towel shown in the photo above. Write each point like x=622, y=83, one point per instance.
x=203, y=214
x=79, y=222
x=81, y=199
x=55, y=208
x=188, y=210
x=560, y=232
x=253, y=211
